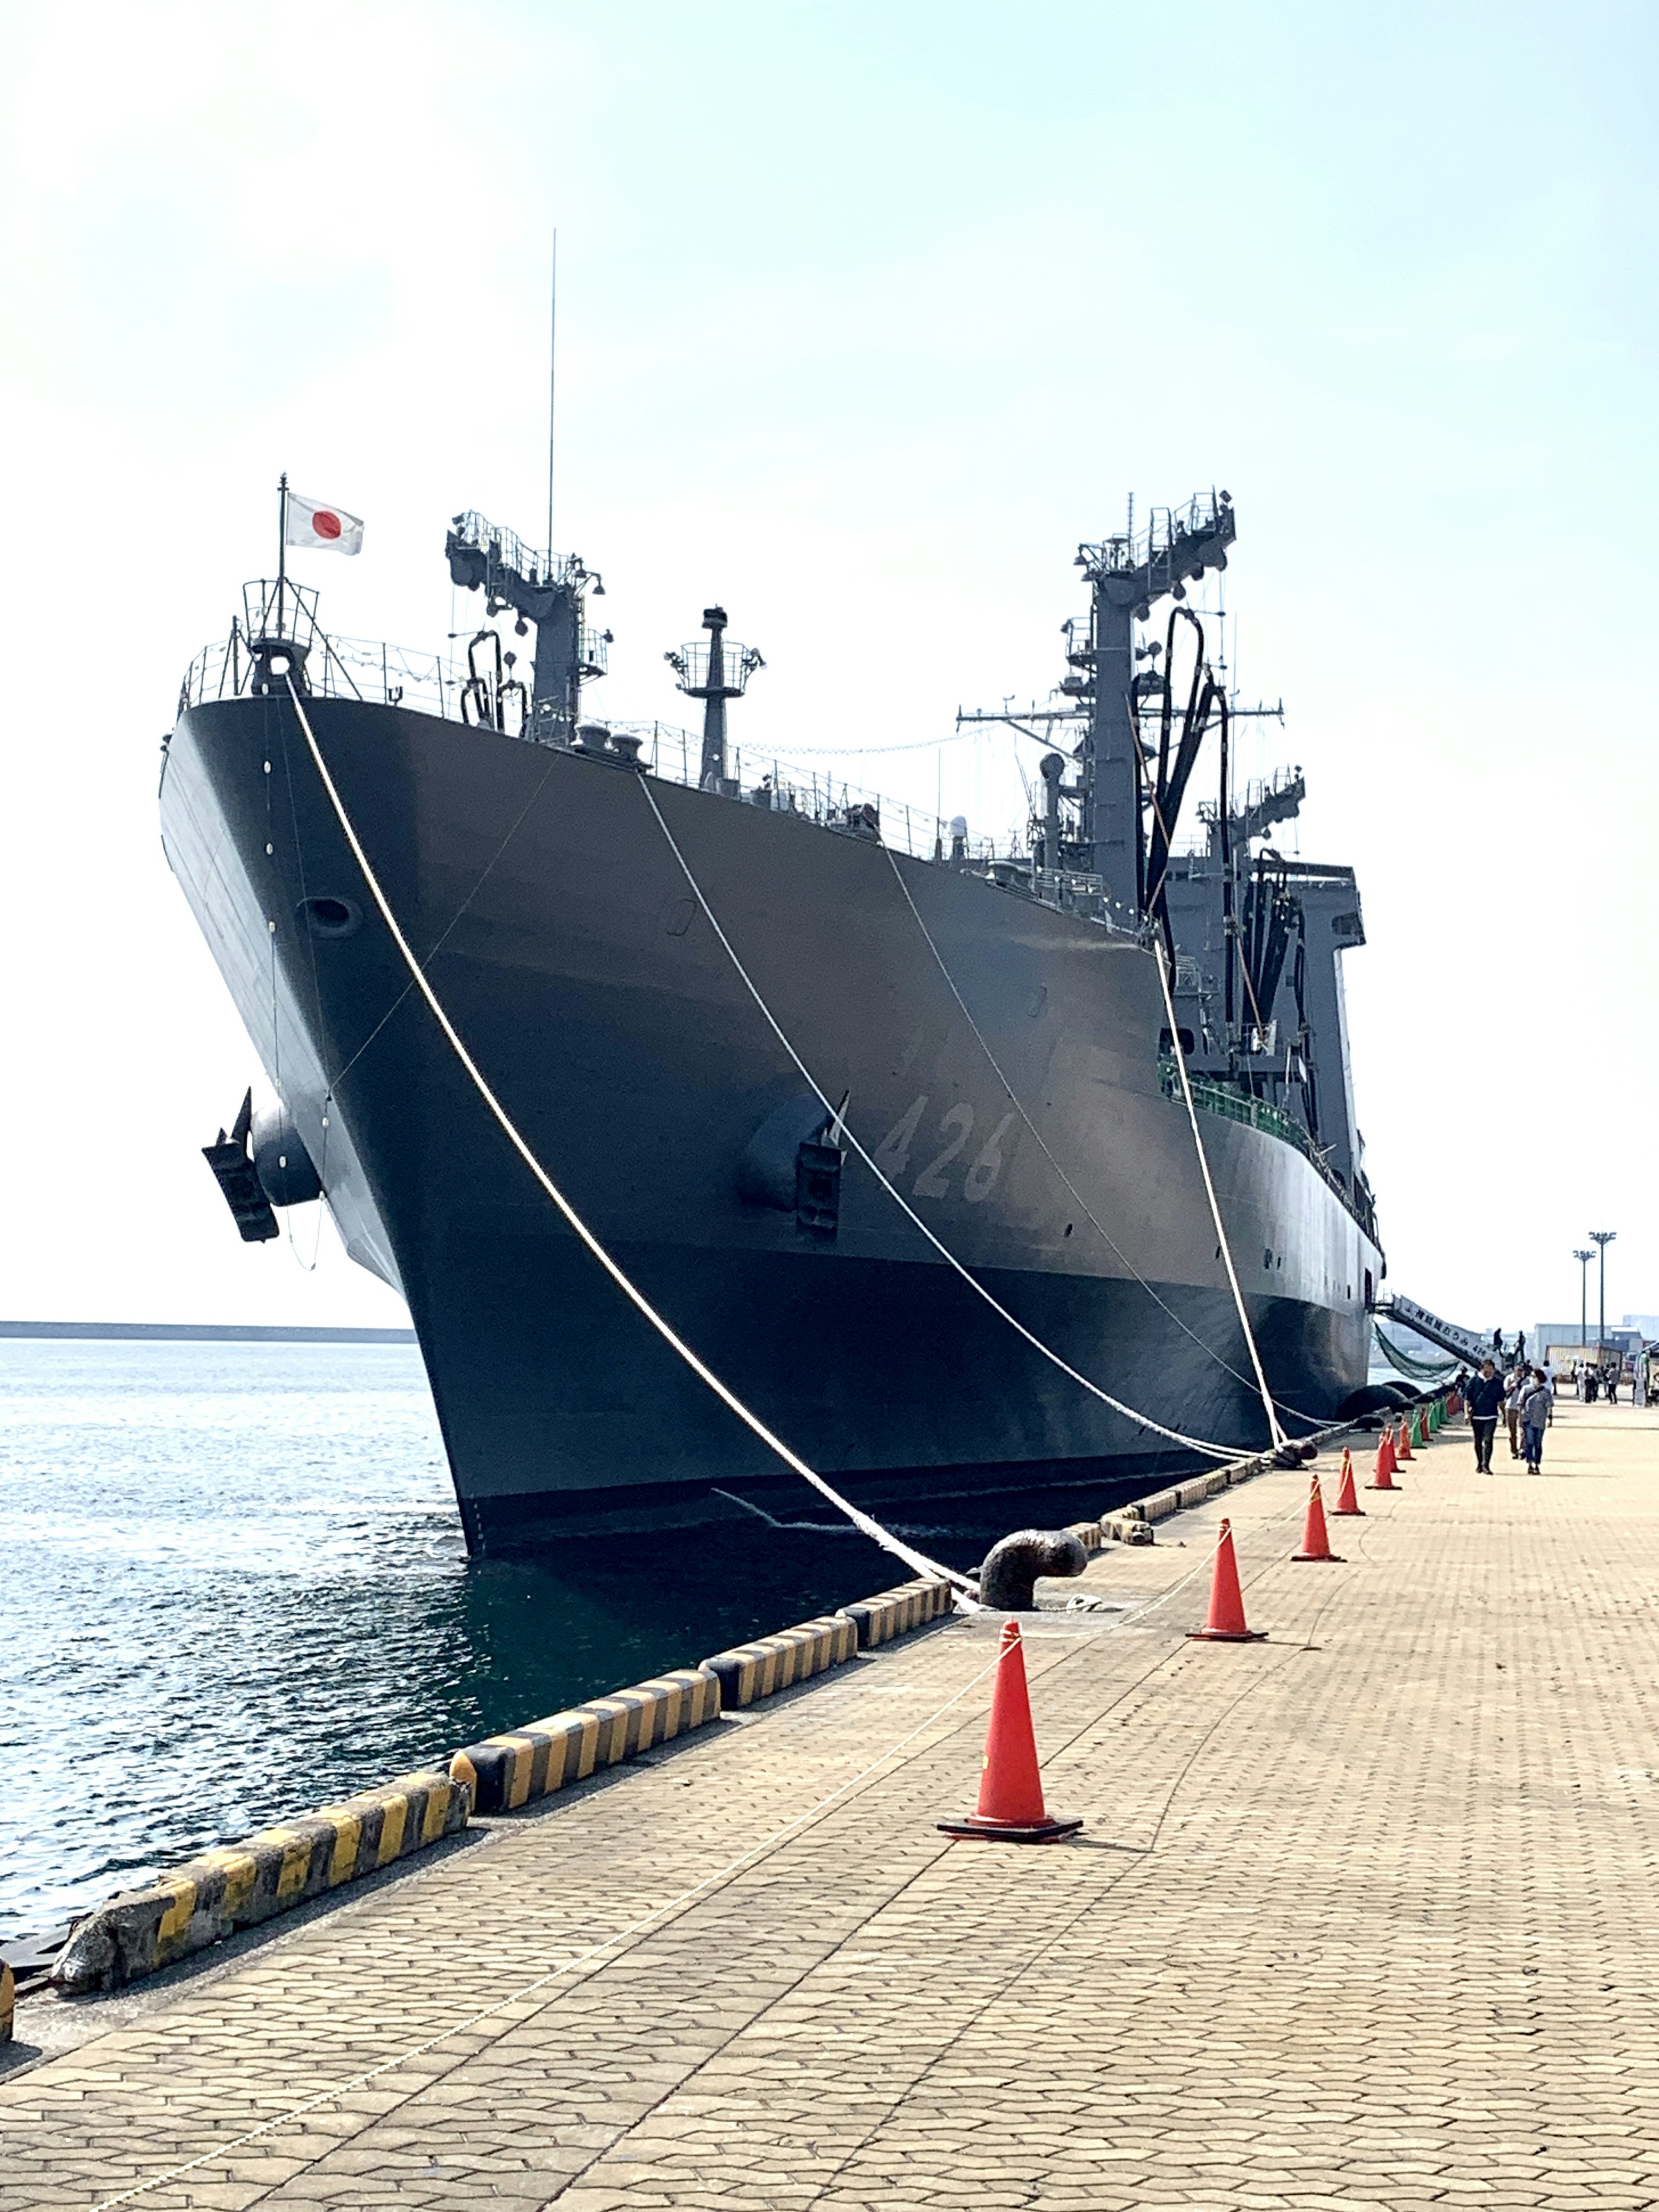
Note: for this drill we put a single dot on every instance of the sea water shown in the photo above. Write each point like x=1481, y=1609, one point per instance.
x=234, y=1587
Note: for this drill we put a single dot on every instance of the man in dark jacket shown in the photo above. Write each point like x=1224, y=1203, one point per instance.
x=1486, y=1402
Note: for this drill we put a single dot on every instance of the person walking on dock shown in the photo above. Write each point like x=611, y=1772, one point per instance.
x=1485, y=1399
x=1535, y=1419
x=1514, y=1383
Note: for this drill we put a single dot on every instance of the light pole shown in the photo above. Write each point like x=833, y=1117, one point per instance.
x=1602, y=1237
x=1583, y=1260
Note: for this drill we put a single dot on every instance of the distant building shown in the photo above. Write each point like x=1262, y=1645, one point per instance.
x=1560, y=1340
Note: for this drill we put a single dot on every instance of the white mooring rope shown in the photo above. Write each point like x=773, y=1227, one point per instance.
x=1019, y=1104
x=1273, y=1429
x=1231, y=1452
x=873, y=1528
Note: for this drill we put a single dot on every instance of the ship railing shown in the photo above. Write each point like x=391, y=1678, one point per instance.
x=1258, y=1114
x=507, y=549
x=392, y=676
x=335, y=668
x=762, y=780
x=1166, y=530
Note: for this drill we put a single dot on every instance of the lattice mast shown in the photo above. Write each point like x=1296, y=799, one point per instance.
x=1127, y=575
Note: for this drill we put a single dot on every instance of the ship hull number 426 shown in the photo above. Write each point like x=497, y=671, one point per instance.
x=941, y=1162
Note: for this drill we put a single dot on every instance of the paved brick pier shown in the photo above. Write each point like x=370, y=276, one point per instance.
x=1365, y=1916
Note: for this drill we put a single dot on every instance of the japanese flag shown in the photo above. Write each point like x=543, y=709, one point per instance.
x=329, y=529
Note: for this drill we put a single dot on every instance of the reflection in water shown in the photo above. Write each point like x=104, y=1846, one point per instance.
x=233, y=1586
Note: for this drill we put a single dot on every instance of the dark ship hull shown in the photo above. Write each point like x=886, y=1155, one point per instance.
x=563, y=942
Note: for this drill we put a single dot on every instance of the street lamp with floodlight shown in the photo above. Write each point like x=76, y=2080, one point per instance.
x=1602, y=1237
x=1583, y=1260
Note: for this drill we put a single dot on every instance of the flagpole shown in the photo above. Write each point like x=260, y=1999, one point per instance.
x=282, y=547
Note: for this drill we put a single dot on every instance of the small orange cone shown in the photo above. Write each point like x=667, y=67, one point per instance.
x=1315, y=1539
x=1011, y=1809
x=1403, y=1450
x=1226, y=1623
x=1384, y=1478
x=1345, y=1500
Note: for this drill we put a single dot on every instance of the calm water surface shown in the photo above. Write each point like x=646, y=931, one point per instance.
x=233, y=1586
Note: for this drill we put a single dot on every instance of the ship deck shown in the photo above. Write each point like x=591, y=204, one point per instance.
x=1361, y=1915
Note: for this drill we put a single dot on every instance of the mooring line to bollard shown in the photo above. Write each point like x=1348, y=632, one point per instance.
x=1228, y=1452
x=1274, y=1431
x=1019, y=1105
x=869, y=1525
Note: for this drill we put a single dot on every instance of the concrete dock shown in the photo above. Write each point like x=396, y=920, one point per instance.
x=1365, y=1915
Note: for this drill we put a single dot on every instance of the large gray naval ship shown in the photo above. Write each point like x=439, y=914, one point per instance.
x=989, y=1025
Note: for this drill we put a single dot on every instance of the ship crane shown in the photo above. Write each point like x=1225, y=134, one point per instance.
x=548, y=590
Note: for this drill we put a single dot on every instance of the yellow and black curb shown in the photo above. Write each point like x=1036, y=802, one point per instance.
x=777, y=1662
x=8, y=2001
x=522, y=1764
x=897, y=1612
x=1181, y=1496
x=141, y=1931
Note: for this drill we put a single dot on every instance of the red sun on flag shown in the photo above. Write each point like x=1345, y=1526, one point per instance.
x=325, y=529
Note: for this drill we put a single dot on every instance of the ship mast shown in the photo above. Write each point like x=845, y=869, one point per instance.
x=1128, y=576
x=715, y=673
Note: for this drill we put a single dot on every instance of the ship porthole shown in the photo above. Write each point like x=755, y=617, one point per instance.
x=331, y=917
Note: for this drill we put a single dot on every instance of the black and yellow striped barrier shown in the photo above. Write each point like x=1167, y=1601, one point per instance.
x=8, y=2001
x=522, y=1764
x=140, y=1930
x=1129, y=1523
x=772, y=1663
x=896, y=1612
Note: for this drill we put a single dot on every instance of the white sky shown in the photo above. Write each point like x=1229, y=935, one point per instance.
x=867, y=315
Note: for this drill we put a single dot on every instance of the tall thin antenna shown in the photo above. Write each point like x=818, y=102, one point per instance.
x=551, y=382
x=282, y=547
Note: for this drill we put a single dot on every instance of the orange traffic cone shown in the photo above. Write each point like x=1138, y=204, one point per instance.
x=1403, y=1450
x=1345, y=1500
x=1226, y=1622
x=1011, y=1808
x=1315, y=1539
x=1384, y=1478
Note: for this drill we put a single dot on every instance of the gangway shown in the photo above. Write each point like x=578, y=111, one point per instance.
x=1461, y=1343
